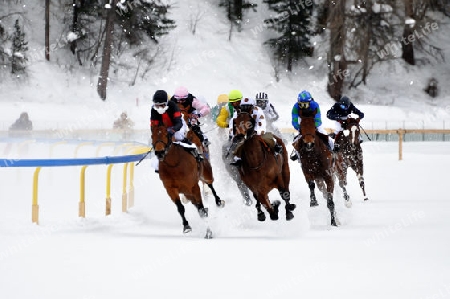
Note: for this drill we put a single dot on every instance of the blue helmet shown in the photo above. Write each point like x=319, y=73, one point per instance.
x=304, y=96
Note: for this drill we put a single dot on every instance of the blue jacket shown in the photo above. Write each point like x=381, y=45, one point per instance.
x=313, y=106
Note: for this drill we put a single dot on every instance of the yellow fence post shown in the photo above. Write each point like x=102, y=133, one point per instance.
x=124, y=188
x=131, y=188
x=108, y=190
x=34, y=203
x=82, y=205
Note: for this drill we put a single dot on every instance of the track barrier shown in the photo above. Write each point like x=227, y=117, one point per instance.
x=134, y=153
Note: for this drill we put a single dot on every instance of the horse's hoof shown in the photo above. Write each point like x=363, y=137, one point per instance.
x=248, y=202
x=348, y=203
x=220, y=203
x=366, y=198
x=203, y=212
x=313, y=203
x=290, y=207
x=335, y=222
x=289, y=215
x=261, y=216
x=209, y=234
x=275, y=205
x=187, y=229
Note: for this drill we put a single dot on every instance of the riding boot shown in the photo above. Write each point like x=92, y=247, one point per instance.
x=237, y=161
x=187, y=141
x=294, y=155
x=278, y=148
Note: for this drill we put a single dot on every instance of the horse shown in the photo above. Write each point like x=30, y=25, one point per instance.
x=316, y=161
x=180, y=172
x=262, y=170
x=350, y=155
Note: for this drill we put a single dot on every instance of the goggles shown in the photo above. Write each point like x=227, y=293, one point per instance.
x=235, y=100
x=303, y=105
x=343, y=106
x=160, y=105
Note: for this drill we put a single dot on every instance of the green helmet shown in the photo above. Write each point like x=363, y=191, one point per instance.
x=234, y=96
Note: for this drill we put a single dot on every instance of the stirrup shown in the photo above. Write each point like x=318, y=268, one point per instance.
x=294, y=156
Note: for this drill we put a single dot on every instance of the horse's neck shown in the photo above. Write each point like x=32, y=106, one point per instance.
x=253, y=147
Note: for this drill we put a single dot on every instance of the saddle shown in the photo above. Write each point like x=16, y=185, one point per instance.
x=190, y=148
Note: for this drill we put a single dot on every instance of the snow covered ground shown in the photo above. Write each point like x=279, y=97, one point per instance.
x=396, y=245
x=393, y=246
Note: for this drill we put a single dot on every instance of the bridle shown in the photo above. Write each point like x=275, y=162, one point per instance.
x=161, y=154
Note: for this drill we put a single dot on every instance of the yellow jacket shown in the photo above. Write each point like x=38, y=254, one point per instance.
x=224, y=116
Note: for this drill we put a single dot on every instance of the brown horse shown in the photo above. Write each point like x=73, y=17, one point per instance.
x=180, y=172
x=316, y=161
x=262, y=170
x=350, y=155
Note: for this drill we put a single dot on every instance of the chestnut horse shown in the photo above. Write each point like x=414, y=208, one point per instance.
x=350, y=155
x=262, y=170
x=180, y=172
x=316, y=161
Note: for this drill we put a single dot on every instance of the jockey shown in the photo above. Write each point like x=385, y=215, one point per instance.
x=249, y=105
x=222, y=100
x=262, y=101
x=167, y=113
x=194, y=108
x=227, y=111
x=339, y=113
x=306, y=102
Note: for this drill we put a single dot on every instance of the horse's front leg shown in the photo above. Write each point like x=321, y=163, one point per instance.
x=312, y=194
x=360, y=174
x=272, y=208
x=175, y=196
x=286, y=196
x=330, y=202
x=180, y=207
x=220, y=203
x=260, y=213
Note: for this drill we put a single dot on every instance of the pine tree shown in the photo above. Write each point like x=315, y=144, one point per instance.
x=19, y=48
x=235, y=11
x=292, y=20
x=3, y=38
x=138, y=17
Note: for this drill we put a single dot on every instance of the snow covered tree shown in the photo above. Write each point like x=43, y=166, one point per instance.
x=3, y=38
x=137, y=17
x=235, y=11
x=292, y=21
x=19, y=49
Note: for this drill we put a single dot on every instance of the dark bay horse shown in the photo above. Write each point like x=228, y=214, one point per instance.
x=316, y=161
x=180, y=172
x=350, y=156
x=262, y=170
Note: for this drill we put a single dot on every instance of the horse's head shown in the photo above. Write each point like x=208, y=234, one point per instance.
x=244, y=124
x=351, y=132
x=160, y=141
x=307, y=129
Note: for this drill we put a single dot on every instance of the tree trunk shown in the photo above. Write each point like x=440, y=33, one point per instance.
x=73, y=43
x=407, y=46
x=47, y=30
x=107, y=48
x=338, y=64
